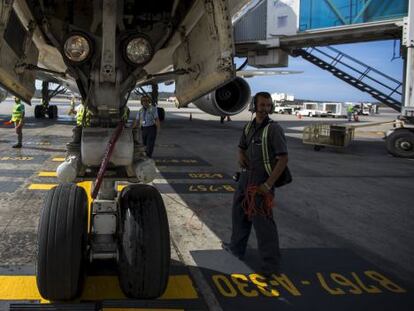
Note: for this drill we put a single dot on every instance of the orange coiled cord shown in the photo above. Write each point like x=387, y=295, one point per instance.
x=249, y=203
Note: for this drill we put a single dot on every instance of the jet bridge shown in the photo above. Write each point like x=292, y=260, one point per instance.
x=304, y=23
x=270, y=31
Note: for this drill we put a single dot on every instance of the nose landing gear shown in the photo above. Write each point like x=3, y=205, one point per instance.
x=130, y=227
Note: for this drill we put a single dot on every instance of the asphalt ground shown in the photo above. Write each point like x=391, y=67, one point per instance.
x=346, y=222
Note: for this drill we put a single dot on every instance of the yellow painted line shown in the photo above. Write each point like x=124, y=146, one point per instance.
x=87, y=186
x=120, y=187
x=42, y=186
x=47, y=174
x=18, y=287
x=58, y=159
x=139, y=309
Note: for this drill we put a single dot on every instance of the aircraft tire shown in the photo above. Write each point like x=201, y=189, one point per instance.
x=62, y=238
x=161, y=113
x=55, y=111
x=38, y=112
x=52, y=111
x=144, y=243
x=400, y=143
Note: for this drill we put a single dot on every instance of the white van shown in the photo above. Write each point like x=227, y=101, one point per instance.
x=336, y=110
x=311, y=110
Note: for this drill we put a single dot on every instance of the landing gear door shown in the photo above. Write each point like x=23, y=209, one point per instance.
x=207, y=52
x=16, y=50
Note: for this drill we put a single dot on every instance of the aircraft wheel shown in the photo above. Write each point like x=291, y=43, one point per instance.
x=161, y=113
x=52, y=111
x=55, y=111
x=401, y=143
x=144, y=243
x=38, y=112
x=62, y=239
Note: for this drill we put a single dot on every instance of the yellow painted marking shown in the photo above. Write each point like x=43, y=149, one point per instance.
x=42, y=186
x=47, y=174
x=305, y=282
x=27, y=158
x=120, y=187
x=58, y=159
x=139, y=309
x=87, y=186
x=18, y=287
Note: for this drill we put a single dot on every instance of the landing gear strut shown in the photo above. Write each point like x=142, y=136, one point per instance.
x=44, y=109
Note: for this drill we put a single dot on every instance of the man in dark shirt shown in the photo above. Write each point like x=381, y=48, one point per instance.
x=254, y=173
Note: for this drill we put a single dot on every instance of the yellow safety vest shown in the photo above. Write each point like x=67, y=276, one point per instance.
x=82, y=120
x=18, y=112
x=125, y=114
x=265, y=149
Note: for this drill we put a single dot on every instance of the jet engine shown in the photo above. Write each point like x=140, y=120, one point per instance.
x=228, y=100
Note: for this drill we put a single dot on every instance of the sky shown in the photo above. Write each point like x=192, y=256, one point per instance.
x=317, y=84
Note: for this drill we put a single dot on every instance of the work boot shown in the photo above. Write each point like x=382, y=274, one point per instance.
x=226, y=246
x=18, y=145
x=268, y=271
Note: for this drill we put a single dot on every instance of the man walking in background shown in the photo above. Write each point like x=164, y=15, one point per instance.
x=147, y=119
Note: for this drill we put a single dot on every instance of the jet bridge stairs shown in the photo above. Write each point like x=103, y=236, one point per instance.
x=382, y=87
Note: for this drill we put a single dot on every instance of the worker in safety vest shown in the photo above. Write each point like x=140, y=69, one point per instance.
x=83, y=119
x=72, y=106
x=18, y=120
x=263, y=157
x=83, y=116
x=350, y=112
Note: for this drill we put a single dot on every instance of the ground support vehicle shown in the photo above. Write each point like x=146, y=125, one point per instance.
x=399, y=141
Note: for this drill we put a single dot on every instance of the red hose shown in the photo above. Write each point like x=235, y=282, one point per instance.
x=249, y=203
x=107, y=156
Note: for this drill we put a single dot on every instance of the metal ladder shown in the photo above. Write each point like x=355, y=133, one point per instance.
x=382, y=87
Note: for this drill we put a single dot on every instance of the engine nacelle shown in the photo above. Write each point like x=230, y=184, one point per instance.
x=227, y=100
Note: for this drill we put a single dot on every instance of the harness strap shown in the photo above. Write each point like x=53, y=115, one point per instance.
x=265, y=148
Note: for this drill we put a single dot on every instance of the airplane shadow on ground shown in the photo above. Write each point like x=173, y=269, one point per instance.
x=340, y=266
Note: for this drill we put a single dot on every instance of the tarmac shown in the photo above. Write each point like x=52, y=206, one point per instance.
x=346, y=222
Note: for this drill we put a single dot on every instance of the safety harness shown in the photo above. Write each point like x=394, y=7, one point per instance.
x=265, y=148
x=249, y=202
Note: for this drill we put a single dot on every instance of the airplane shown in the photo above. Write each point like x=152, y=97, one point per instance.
x=104, y=49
